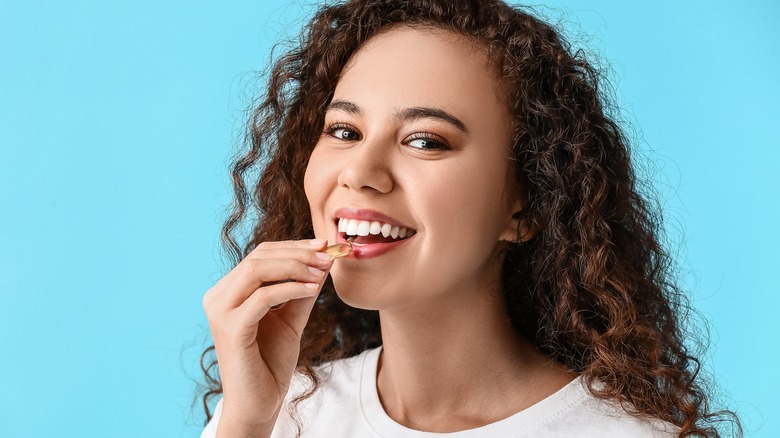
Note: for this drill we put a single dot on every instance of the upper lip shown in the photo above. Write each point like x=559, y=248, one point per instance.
x=367, y=215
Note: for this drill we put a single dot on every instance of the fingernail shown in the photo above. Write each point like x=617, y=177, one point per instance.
x=323, y=256
x=315, y=271
x=317, y=242
x=312, y=285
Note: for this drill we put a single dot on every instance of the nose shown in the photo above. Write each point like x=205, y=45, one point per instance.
x=367, y=167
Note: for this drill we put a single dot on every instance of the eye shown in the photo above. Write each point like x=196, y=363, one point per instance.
x=427, y=141
x=342, y=132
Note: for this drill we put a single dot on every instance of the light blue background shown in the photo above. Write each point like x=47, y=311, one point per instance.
x=116, y=123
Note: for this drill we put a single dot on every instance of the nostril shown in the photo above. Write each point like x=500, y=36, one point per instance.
x=366, y=173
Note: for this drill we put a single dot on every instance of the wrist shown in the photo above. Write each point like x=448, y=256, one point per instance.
x=234, y=428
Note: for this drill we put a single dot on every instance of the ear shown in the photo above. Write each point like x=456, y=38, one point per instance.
x=519, y=226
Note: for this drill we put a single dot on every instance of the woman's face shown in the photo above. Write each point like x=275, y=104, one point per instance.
x=416, y=137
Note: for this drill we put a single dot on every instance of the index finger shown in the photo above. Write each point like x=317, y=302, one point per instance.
x=316, y=244
x=336, y=251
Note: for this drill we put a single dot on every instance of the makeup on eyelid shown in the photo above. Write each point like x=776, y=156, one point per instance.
x=426, y=219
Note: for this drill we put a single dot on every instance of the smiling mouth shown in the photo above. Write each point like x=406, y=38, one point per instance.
x=369, y=232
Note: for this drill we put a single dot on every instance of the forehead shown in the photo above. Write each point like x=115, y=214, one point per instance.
x=407, y=66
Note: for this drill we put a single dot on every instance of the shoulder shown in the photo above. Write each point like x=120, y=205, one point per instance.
x=324, y=411
x=336, y=378
x=588, y=416
x=336, y=395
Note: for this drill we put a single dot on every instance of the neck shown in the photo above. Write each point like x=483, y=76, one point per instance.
x=460, y=365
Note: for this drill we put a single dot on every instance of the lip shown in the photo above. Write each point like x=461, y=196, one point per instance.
x=360, y=252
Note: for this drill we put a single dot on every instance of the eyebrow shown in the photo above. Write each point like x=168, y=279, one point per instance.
x=407, y=114
x=345, y=106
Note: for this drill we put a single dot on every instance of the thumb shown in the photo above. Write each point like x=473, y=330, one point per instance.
x=296, y=312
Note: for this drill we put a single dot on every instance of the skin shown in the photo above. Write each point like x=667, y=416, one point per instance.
x=257, y=348
x=450, y=361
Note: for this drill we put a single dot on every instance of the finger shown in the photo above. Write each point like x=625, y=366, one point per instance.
x=315, y=244
x=267, y=264
x=309, y=256
x=259, y=303
x=255, y=272
x=297, y=312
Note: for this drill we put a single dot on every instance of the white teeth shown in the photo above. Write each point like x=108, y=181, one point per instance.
x=386, y=229
x=352, y=227
x=363, y=227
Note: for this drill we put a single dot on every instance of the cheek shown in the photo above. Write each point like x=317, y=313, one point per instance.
x=310, y=182
x=316, y=184
x=466, y=218
x=470, y=203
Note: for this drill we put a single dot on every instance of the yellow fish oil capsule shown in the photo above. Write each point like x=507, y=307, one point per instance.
x=339, y=249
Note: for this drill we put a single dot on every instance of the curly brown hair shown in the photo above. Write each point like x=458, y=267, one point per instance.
x=594, y=289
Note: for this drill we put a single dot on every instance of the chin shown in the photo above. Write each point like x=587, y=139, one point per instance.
x=365, y=294
x=355, y=296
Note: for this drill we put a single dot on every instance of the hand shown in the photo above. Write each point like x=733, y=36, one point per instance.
x=257, y=345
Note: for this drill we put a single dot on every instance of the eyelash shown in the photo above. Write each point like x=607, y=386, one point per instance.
x=333, y=127
x=440, y=143
x=431, y=138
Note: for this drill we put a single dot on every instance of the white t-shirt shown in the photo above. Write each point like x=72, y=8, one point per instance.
x=347, y=406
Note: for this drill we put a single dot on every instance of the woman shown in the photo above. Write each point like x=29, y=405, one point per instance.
x=506, y=276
